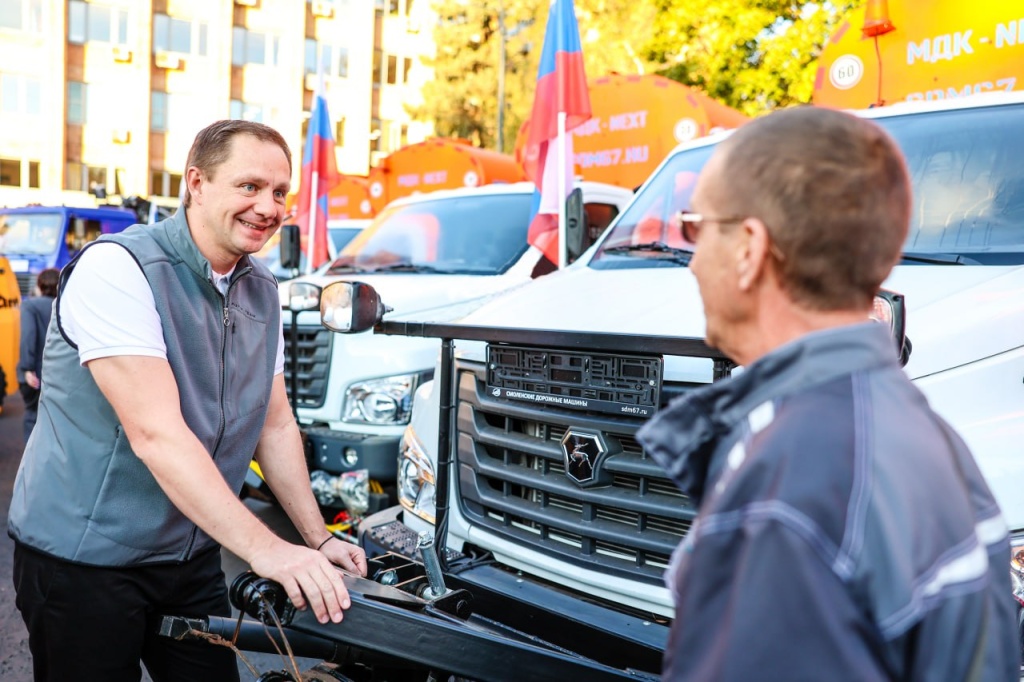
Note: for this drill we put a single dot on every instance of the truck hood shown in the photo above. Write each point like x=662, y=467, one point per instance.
x=659, y=301
x=946, y=306
x=416, y=292
x=959, y=314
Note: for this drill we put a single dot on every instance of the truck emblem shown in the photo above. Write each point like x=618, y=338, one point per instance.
x=582, y=454
x=496, y=392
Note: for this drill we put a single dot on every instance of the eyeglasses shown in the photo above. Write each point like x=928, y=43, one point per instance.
x=690, y=224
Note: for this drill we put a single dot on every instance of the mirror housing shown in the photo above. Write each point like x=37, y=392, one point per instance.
x=890, y=309
x=291, y=247
x=577, y=237
x=351, y=307
x=303, y=296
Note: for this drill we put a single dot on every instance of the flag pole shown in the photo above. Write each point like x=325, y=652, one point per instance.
x=314, y=216
x=563, y=191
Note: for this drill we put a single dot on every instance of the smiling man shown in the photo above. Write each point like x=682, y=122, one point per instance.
x=164, y=366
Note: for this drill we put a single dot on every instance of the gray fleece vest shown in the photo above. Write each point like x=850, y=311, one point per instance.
x=81, y=493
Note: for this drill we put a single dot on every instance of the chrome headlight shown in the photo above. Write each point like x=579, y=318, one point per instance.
x=416, y=489
x=381, y=401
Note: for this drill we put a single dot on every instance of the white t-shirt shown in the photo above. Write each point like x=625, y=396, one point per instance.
x=108, y=310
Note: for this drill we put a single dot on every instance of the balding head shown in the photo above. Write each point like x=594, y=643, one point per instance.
x=834, y=193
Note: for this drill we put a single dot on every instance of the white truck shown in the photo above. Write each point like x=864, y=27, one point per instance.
x=353, y=393
x=511, y=497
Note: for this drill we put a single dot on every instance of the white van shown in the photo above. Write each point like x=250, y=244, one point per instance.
x=962, y=277
x=353, y=393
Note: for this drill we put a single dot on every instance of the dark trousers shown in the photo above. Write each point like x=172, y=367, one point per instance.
x=29, y=396
x=96, y=623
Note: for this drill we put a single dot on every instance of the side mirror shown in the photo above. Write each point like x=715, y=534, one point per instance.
x=351, y=307
x=577, y=239
x=291, y=247
x=890, y=309
x=303, y=296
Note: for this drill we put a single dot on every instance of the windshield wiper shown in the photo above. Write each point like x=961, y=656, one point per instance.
x=678, y=255
x=347, y=267
x=937, y=258
x=409, y=267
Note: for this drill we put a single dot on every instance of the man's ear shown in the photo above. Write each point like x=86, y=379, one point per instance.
x=194, y=181
x=752, y=253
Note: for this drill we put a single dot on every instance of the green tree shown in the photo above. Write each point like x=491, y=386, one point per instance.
x=754, y=55
x=462, y=100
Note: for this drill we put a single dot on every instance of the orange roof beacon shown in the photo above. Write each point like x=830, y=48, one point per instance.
x=439, y=163
x=637, y=121
x=926, y=50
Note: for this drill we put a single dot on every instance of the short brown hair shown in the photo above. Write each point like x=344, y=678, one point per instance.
x=213, y=144
x=47, y=281
x=834, y=193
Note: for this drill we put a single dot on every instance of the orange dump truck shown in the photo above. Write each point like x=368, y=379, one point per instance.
x=637, y=121
x=439, y=163
x=922, y=50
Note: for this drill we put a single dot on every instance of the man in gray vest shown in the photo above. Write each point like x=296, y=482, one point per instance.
x=164, y=375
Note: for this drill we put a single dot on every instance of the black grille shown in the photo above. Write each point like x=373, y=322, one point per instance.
x=314, y=363
x=512, y=481
x=26, y=282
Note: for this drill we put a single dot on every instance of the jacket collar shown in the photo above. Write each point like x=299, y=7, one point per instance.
x=180, y=237
x=683, y=437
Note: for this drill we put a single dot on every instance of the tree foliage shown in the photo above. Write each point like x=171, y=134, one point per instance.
x=754, y=55
x=462, y=100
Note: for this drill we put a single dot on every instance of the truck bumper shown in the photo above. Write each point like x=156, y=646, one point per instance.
x=337, y=452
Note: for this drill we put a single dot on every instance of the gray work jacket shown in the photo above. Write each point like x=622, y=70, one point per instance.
x=81, y=493
x=844, y=531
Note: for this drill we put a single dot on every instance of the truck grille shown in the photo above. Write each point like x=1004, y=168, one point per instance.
x=26, y=282
x=513, y=482
x=313, y=349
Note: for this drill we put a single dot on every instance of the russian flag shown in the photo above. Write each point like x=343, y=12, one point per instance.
x=561, y=88
x=319, y=176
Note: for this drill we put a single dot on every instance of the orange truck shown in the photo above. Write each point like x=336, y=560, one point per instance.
x=922, y=50
x=10, y=324
x=439, y=163
x=636, y=122
x=350, y=199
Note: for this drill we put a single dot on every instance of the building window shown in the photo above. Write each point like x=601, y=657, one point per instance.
x=310, y=64
x=334, y=59
x=10, y=172
x=83, y=177
x=164, y=184
x=378, y=59
x=33, y=174
x=97, y=23
x=247, y=112
x=250, y=47
x=179, y=35
x=339, y=132
x=22, y=15
x=406, y=67
x=76, y=102
x=20, y=95
x=158, y=112
x=392, y=69
x=393, y=7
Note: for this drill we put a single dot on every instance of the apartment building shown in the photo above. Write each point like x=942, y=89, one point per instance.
x=107, y=95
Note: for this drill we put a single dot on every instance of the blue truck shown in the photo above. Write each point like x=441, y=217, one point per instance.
x=37, y=237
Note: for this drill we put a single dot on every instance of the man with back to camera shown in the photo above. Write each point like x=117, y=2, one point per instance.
x=164, y=375
x=844, y=531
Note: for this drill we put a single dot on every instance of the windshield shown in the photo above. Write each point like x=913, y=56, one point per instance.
x=479, y=235
x=964, y=167
x=30, y=233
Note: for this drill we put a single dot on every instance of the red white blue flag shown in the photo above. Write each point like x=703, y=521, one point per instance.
x=561, y=88
x=319, y=176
